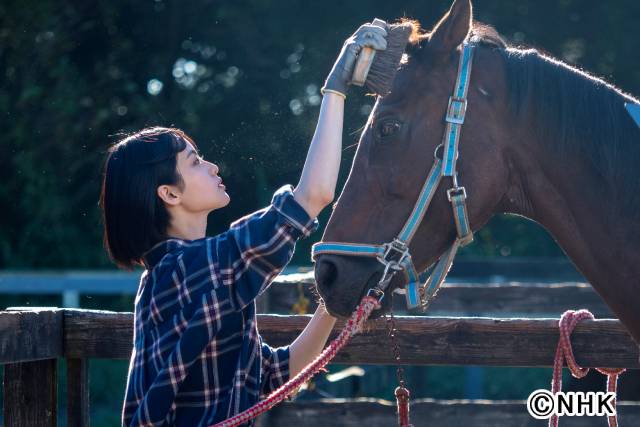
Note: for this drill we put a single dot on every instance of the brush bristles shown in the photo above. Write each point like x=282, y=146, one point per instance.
x=385, y=64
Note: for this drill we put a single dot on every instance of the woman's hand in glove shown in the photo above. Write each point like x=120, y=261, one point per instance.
x=342, y=71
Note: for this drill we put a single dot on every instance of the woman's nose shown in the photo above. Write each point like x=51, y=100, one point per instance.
x=215, y=169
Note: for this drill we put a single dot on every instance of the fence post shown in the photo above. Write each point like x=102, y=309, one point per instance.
x=78, y=392
x=30, y=349
x=30, y=394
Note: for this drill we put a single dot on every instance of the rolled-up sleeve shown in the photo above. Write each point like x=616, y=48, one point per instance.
x=258, y=246
x=275, y=368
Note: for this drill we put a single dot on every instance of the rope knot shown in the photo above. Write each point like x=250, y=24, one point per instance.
x=564, y=351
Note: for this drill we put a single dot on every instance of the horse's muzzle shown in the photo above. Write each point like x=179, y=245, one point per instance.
x=343, y=281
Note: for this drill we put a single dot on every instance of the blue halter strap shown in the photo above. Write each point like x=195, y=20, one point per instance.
x=395, y=255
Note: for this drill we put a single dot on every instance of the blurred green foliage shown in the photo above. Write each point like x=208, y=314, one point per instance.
x=242, y=78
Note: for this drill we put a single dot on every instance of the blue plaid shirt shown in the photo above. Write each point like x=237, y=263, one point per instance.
x=198, y=357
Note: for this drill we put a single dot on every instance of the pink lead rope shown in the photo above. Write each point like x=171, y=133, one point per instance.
x=352, y=327
x=567, y=324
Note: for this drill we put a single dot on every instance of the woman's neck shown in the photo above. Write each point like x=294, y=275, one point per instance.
x=187, y=226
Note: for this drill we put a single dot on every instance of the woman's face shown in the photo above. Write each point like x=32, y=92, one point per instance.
x=203, y=189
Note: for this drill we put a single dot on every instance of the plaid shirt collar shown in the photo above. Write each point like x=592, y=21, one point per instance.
x=159, y=250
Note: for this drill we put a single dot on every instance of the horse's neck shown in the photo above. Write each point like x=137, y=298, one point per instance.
x=560, y=195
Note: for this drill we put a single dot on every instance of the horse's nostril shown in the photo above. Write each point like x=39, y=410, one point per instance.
x=326, y=274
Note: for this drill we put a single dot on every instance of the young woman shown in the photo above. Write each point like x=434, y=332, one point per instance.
x=197, y=355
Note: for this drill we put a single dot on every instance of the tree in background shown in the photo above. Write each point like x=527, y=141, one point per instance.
x=242, y=78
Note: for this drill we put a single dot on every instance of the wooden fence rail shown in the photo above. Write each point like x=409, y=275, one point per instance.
x=422, y=340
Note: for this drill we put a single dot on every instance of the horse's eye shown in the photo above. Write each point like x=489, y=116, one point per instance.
x=388, y=128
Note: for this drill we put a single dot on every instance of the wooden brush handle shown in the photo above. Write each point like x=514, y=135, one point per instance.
x=363, y=64
x=365, y=59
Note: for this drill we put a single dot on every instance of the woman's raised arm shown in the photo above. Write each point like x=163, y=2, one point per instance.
x=317, y=185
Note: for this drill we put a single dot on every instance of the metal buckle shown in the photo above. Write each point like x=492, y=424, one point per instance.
x=377, y=293
x=454, y=102
x=399, y=247
x=452, y=190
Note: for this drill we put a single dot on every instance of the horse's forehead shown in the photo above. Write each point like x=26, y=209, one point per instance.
x=404, y=89
x=415, y=78
x=409, y=73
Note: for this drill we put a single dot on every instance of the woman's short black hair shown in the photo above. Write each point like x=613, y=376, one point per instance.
x=134, y=217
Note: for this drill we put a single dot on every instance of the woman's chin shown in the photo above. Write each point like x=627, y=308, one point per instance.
x=224, y=203
x=220, y=203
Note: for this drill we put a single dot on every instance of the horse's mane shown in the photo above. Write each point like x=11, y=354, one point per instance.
x=576, y=113
x=579, y=114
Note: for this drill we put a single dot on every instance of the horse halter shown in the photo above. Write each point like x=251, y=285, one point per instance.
x=395, y=255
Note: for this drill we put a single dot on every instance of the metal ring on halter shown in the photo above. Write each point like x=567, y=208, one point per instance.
x=435, y=151
x=398, y=246
x=377, y=293
x=384, y=281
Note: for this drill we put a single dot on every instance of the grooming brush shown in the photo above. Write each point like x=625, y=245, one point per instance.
x=377, y=69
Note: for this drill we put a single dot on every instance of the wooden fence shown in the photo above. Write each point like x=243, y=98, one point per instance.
x=34, y=338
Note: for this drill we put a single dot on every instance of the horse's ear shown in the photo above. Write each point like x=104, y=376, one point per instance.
x=453, y=28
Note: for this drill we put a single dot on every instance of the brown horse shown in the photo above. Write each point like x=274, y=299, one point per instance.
x=540, y=139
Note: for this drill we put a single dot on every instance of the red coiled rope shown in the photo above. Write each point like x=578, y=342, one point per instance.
x=567, y=324
x=352, y=327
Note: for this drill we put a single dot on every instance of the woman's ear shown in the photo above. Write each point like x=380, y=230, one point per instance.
x=168, y=194
x=453, y=28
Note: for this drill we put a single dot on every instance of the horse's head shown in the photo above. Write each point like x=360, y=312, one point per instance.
x=396, y=152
